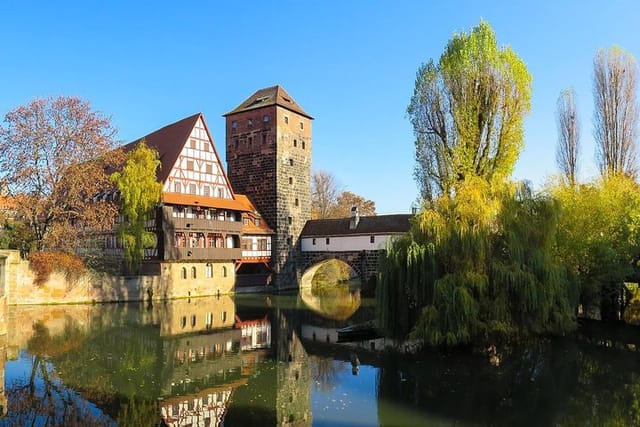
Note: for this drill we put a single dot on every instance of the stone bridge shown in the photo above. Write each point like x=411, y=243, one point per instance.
x=364, y=262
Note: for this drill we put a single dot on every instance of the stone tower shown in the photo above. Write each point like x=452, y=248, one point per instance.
x=268, y=142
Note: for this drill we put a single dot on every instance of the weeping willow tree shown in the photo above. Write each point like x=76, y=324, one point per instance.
x=140, y=193
x=477, y=266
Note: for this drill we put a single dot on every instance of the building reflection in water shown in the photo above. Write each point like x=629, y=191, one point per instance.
x=209, y=352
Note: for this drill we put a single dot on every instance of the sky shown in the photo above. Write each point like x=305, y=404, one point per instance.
x=350, y=64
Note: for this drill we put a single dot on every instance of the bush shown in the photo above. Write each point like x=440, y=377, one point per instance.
x=44, y=263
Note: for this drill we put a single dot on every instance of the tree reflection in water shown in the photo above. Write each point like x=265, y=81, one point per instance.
x=43, y=399
x=325, y=373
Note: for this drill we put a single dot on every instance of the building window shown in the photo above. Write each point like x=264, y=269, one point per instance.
x=301, y=125
x=303, y=145
x=290, y=162
x=313, y=241
x=250, y=141
x=265, y=118
x=224, y=316
x=286, y=120
x=264, y=138
x=183, y=321
x=257, y=222
x=208, y=271
x=289, y=240
x=193, y=272
x=295, y=142
x=372, y=239
x=234, y=125
x=208, y=320
x=224, y=271
x=290, y=181
x=190, y=165
x=297, y=202
x=205, y=146
x=184, y=273
x=192, y=189
x=193, y=320
x=209, y=168
x=177, y=187
x=289, y=220
x=327, y=240
x=245, y=221
x=249, y=122
x=193, y=143
x=206, y=191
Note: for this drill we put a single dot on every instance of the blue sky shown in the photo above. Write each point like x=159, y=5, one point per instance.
x=350, y=64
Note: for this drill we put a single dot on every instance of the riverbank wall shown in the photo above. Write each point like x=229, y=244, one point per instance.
x=19, y=285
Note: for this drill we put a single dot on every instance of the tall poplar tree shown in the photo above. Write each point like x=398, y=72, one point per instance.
x=140, y=193
x=568, y=136
x=615, y=120
x=467, y=112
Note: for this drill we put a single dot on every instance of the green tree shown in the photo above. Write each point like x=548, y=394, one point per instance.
x=140, y=193
x=467, y=112
x=598, y=239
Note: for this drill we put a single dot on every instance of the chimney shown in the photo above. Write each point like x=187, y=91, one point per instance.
x=355, y=218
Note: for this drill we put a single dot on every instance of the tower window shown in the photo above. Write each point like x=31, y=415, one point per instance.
x=372, y=239
x=301, y=125
x=303, y=145
x=295, y=142
x=327, y=240
x=289, y=220
x=313, y=241
x=297, y=202
x=286, y=120
x=290, y=181
x=290, y=162
x=234, y=125
x=265, y=118
x=289, y=240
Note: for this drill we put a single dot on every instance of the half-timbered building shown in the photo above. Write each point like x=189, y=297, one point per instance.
x=199, y=222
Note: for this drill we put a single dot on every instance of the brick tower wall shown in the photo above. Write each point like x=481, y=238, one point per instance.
x=270, y=161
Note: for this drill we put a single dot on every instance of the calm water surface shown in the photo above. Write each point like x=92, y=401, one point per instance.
x=265, y=360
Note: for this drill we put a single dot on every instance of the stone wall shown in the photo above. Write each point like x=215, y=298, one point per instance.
x=176, y=280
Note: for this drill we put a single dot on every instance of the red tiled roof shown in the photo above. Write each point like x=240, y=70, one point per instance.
x=274, y=95
x=252, y=228
x=169, y=141
x=206, y=202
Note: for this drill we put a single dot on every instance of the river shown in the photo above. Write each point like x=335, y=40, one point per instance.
x=273, y=360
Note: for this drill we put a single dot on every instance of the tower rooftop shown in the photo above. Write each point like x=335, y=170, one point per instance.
x=274, y=95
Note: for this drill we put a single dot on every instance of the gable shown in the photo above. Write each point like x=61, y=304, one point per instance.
x=197, y=169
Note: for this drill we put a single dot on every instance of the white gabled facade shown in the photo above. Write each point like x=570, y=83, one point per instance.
x=197, y=169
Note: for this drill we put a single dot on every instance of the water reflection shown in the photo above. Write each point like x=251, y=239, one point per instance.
x=255, y=361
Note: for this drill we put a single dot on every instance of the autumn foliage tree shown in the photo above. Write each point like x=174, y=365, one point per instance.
x=329, y=201
x=53, y=157
x=140, y=193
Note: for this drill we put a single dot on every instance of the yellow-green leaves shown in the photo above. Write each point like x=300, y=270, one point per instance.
x=140, y=192
x=468, y=111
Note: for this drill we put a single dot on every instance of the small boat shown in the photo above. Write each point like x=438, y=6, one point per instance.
x=360, y=332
